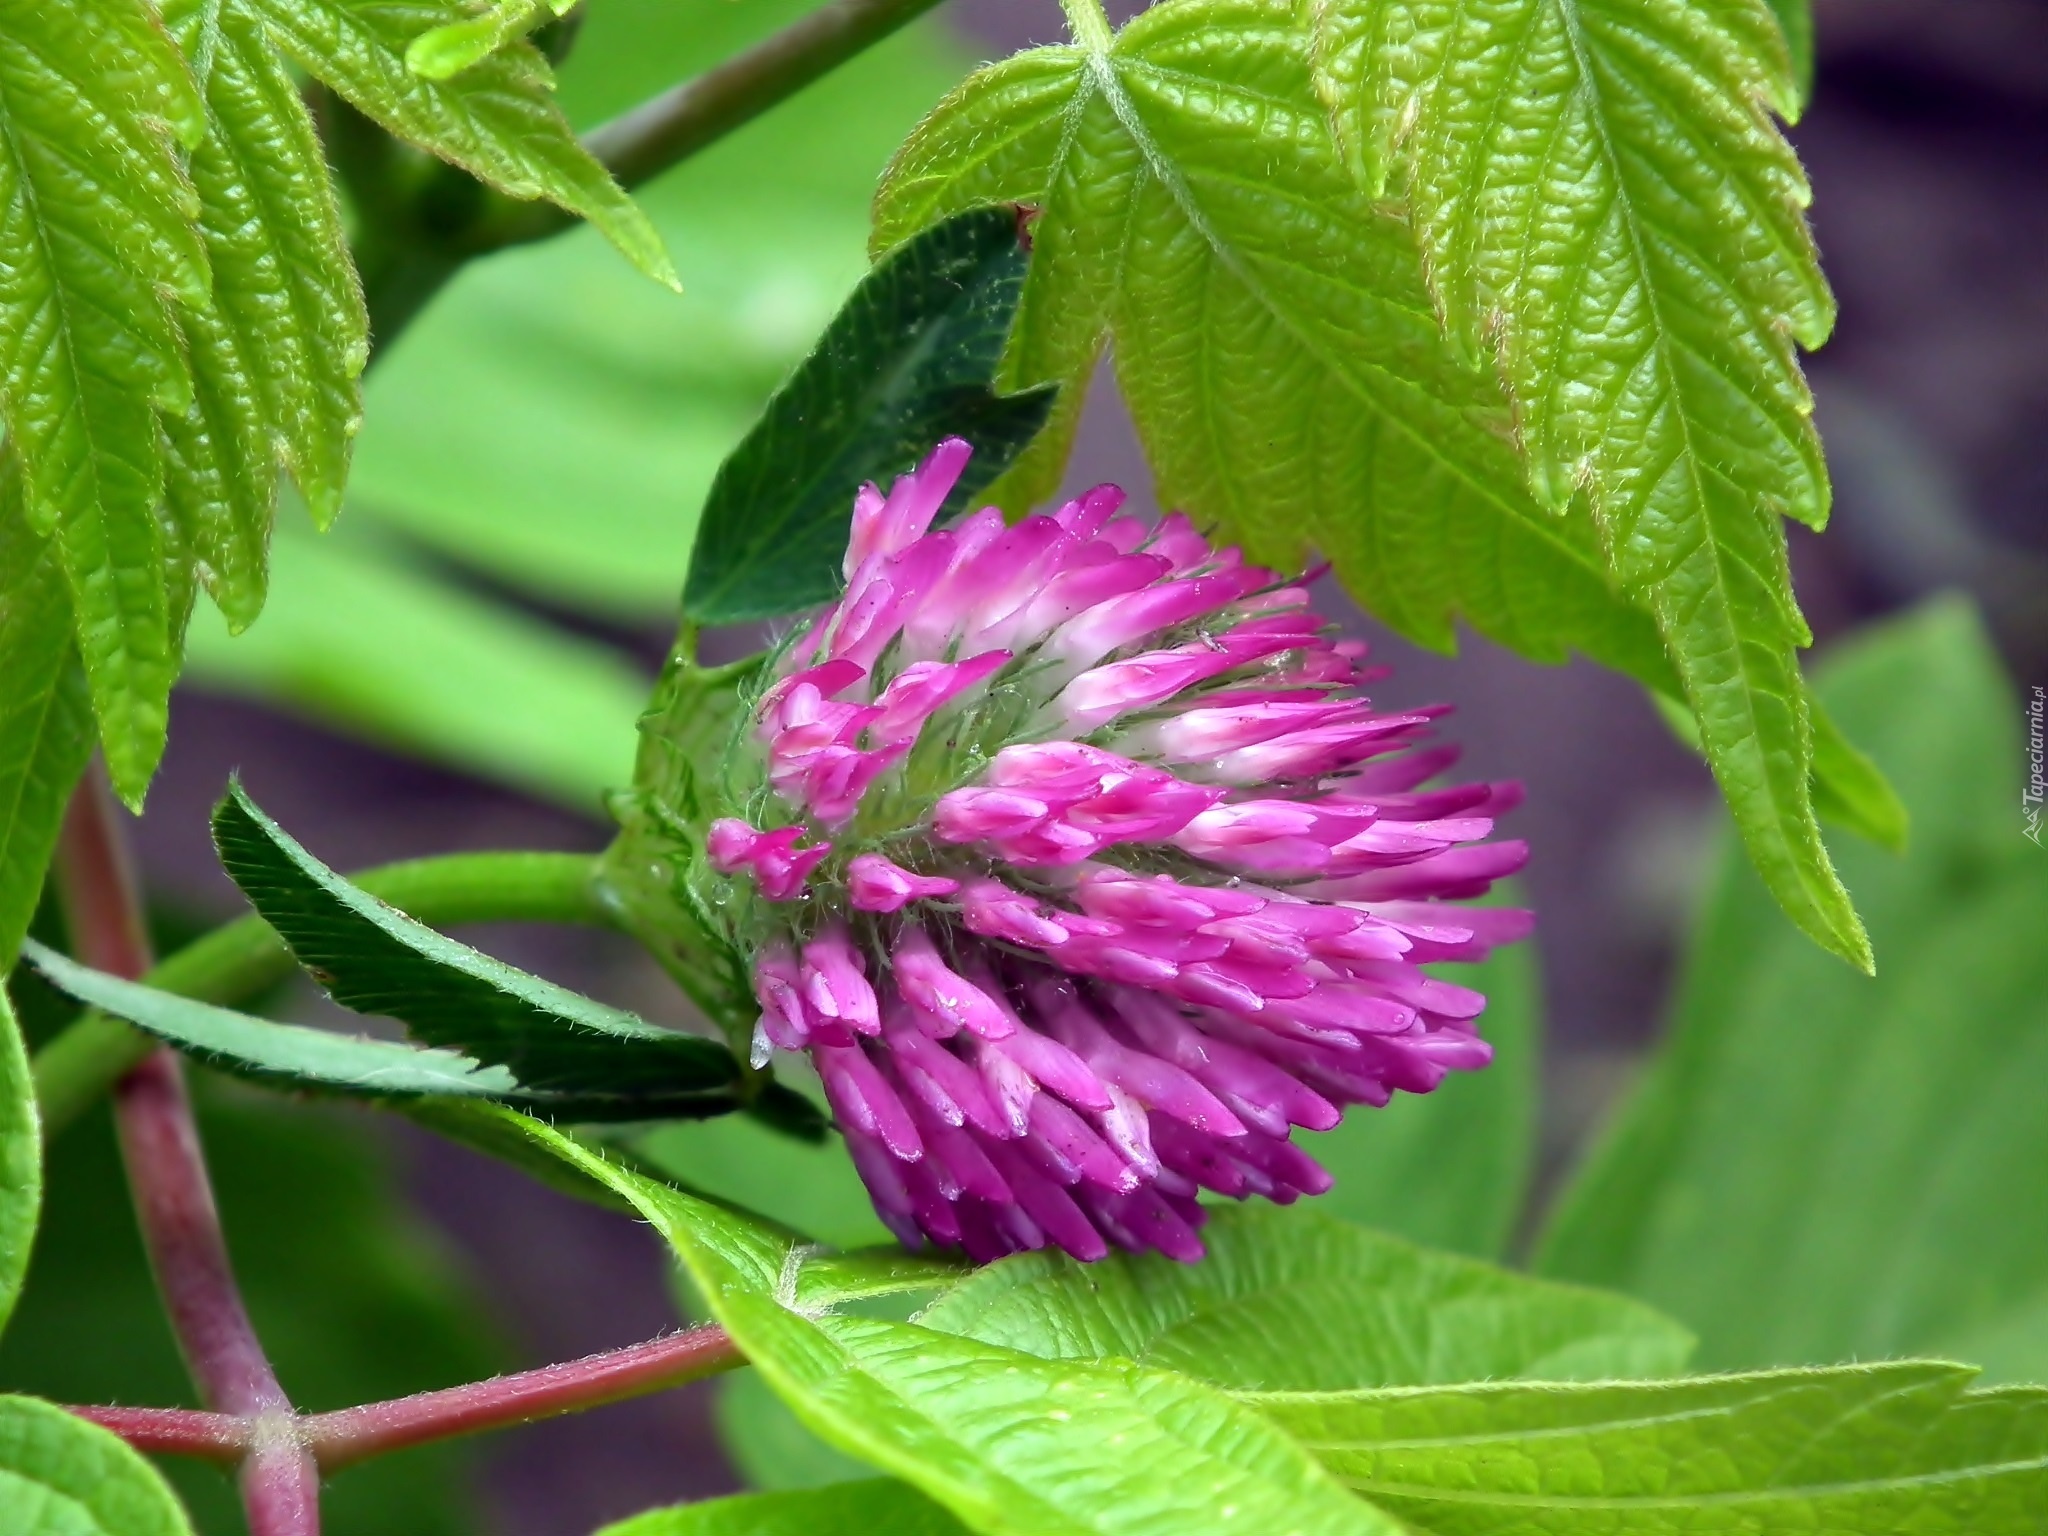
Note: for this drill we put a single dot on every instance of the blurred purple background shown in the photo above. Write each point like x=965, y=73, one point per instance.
x=1928, y=146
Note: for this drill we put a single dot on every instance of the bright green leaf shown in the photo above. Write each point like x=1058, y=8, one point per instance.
x=910, y=359
x=374, y=959
x=362, y=639
x=1880, y=1450
x=21, y=1160
x=1795, y=18
x=46, y=729
x=1450, y=1168
x=1008, y=1442
x=1291, y=1299
x=497, y=120
x=1606, y=210
x=60, y=1476
x=95, y=232
x=1270, y=329
x=449, y=49
x=851, y=1509
x=1817, y=1166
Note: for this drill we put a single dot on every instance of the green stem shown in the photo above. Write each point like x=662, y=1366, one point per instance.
x=451, y=224
x=1089, y=24
x=246, y=957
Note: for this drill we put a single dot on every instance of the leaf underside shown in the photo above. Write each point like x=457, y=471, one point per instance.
x=911, y=358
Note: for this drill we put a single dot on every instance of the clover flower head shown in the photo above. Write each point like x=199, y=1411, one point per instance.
x=1083, y=875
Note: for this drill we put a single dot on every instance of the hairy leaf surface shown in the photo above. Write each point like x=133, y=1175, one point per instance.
x=910, y=359
x=1293, y=1299
x=96, y=241
x=1876, y=1450
x=497, y=120
x=60, y=1476
x=1856, y=1151
x=374, y=959
x=1605, y=206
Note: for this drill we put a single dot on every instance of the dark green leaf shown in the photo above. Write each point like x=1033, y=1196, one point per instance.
x=295, y=1056
x=95, y=233
x=498, y=120
x=877, y=1507
x=1289, y=1299
x=769, y=1446
x=1795, y=17
x=1886, y=1450
x=60, y=1476
x=1819, y=1167
x=374, y=959
x=1850, y=790
x=46, y=729
x=911, y=359
x=1450, y=1169
x=21, y=1159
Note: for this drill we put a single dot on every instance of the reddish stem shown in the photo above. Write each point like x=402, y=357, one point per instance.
x=176, y=1431
x=352, y=1434
x=355, y=1434
x=173, y=1196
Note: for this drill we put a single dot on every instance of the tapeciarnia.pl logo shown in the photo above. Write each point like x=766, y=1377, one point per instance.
x=2037, y=765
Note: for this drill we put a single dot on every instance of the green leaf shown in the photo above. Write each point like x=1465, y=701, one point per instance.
x=1874, y=1450
x=449, y=49
x=60, y=1476
x=21, y=1159
x=46, y=728
x=910, y=359
x=851, y=1509
x=1450, y=1169
x=364, y=640
x=1271, y=330
x=1006, y=1441
x=355, y=1297
x=278, y=363
x=497, y=120
x=1606, y=210
x=1855, y=1151
x=1294, y=1300
x=1795, y=19
x=768, y=1445
x=374, y=959
x=1850, y=790
x=95, y=233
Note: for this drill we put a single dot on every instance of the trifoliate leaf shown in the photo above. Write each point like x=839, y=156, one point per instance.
x=60, y=1476
x=1606, y=209
x=95, y=231
x=910, y=359
x=1879, y=1450
x=46, y=728
x=375, y=959
x=1294, y=1299
x=496, y=120
x=1271, y=330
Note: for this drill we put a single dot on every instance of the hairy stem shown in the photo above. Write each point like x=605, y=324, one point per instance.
x=414, y=250
x=355, y=1434
x=236, y=962
x=350, y=1435
x=1089, y=24
x=173, y=1196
